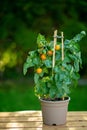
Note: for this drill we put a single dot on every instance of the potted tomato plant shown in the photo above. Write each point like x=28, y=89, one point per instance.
x=56, y=66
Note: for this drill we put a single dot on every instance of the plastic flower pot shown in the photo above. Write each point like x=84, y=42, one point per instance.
x=54, y=112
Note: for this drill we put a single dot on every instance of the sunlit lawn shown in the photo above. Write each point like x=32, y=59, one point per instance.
x=18, y=95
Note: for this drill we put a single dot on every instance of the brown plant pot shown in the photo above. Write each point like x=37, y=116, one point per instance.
x=54, y=112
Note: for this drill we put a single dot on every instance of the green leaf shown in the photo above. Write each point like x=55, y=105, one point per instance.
x=79, y=58
x=34, y=56
x=62, y=76
x=36, y=61
x=65, y=88
x=49, y=84
x=36, y=78
x=45, y=79
x=29, y=62
x=60, y=92
x=57, y=69
x=41, y=41
x=71, y=71
x=25, y=67
x=78, y=37
x=66, y=42
x=75, y=76
x=58, y=55
x=76, y=47
x=76, y=65
x=44, y=89
x=48, y=63
x=56, y=77
x=52, y=92
x=38, y=90
x=32, y=53
x=66, y=60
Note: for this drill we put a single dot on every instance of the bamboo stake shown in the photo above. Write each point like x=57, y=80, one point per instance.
x=62, y=46
x=62, y=50
x=55, y=40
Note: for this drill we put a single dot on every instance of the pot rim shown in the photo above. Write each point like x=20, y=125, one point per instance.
x=43, y=100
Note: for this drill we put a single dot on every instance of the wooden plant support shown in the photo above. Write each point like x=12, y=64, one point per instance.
x=62, y=45
x=62, y=49
x=55, y=40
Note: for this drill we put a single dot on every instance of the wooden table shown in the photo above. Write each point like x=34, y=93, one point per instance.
x=32, y=120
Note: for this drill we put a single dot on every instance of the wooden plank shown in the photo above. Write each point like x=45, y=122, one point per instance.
x=37, y=116
x=45, y=128
x=40, y=124
x=37, y=113
x=21, y=119
x=21, y=113
x=75, y=113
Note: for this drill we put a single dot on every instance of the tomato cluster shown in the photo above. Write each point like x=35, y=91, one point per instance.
x=44, y=57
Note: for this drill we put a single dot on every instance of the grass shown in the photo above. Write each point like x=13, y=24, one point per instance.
x=19, y=95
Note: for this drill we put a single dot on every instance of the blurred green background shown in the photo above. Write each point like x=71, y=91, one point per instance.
x=20, y=23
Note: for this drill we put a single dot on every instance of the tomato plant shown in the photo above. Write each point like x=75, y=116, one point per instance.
x=51, y=83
